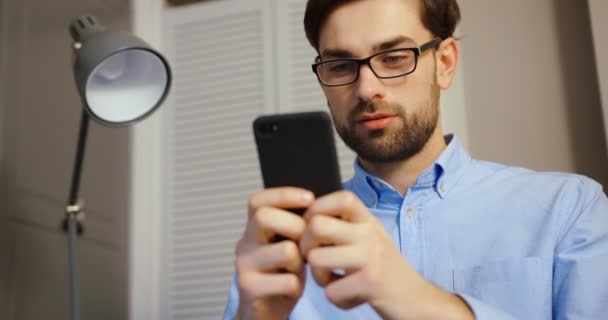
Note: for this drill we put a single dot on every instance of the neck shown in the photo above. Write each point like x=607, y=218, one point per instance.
x=403, y=174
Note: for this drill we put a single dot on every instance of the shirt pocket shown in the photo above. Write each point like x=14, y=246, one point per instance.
x=519, y=286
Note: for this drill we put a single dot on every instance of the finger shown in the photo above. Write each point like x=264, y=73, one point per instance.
x=268, y=222
x=347, y=292
x=341, y=204
x=284, y=255
x=323, y=230
x=258, y=285
x=338, y=257
x=324, y=276
x=281, y=197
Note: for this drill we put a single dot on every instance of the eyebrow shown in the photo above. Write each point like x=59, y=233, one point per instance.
x=384, y=45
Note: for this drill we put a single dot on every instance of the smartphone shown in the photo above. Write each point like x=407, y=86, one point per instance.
x=298, y=149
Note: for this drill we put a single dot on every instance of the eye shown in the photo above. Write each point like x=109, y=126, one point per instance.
x=340, y=67
x=397, y=58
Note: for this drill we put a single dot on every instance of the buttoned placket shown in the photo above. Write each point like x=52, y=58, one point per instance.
x=411, y=225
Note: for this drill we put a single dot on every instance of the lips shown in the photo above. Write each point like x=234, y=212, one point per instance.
x=376, y=121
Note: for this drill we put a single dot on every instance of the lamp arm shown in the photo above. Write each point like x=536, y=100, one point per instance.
x=73, y=209
x=79, y=159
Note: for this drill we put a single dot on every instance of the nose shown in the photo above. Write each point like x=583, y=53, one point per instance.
x=369, y=86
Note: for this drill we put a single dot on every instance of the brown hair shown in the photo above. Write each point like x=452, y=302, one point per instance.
x=439, y=16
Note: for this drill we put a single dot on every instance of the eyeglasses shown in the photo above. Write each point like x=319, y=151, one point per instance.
x=385, y=65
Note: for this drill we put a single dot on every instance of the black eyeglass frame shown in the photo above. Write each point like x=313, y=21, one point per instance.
x=417, y=52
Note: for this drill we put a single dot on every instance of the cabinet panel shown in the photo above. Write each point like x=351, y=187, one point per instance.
x=219, y=53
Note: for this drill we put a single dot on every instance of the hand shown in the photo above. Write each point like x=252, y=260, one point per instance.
x=341, y=233
x=271, y=276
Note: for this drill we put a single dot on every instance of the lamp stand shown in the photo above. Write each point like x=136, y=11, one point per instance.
x=72, y=223
x=109, y=68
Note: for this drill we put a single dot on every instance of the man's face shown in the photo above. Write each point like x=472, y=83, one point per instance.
x=382, y=120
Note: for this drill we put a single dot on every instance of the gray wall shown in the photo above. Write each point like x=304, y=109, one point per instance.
x=4, y=247
x=598, y=10
x=41, y=111
x=530, y=85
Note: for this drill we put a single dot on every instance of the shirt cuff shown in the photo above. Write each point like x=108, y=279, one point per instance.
x=484, y=311
x=232, y=305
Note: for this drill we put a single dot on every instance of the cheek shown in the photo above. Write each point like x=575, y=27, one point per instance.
x=339, y=102
x=411, y=92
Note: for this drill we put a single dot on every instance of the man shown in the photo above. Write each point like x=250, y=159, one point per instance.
x=424, y=231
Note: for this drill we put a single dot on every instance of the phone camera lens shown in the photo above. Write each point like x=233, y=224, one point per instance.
x=268, y=128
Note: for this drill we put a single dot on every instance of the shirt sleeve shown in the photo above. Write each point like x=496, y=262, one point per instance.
x=233, y=301
x=484, y=311
x=580, y=279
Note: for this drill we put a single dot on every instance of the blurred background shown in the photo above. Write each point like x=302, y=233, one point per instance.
x=165, y=200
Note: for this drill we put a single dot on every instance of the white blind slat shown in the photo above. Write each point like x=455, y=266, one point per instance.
x=219, y=90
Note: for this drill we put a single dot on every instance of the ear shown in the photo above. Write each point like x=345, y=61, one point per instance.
x=446, y=57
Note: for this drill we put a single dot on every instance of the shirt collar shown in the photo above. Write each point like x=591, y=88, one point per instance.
x=441, y=175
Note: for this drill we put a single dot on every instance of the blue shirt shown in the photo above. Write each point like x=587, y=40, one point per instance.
x=513, y=243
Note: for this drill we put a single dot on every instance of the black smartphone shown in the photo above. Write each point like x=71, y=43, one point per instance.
x=298, y=149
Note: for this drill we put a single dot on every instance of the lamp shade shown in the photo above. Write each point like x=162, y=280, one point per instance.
x=120, y=78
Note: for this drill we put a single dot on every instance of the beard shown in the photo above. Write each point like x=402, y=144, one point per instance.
x=406, y=138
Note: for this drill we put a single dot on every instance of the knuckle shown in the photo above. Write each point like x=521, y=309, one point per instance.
x=344, y=198
x=291, y=284
x=316, y=225
x=330, y=295
x=365, y=233
x=313, y=258
x=321, y=276
x=344, y=305
x=243, y=246
x=239, y=263
x=376, y=234
x=246, y=282
x=260, y=215
x=289, y=250
x=370, y=277
x=348, y=197
x=253, y=202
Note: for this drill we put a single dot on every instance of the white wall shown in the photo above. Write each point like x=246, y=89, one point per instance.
x=145, y=211
x=531, y=93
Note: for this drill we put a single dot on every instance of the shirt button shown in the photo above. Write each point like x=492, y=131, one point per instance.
x=442, y=187
x=372, y=201
x=410, y=212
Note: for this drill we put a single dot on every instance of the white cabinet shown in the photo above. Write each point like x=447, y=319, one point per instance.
x=221, y=55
